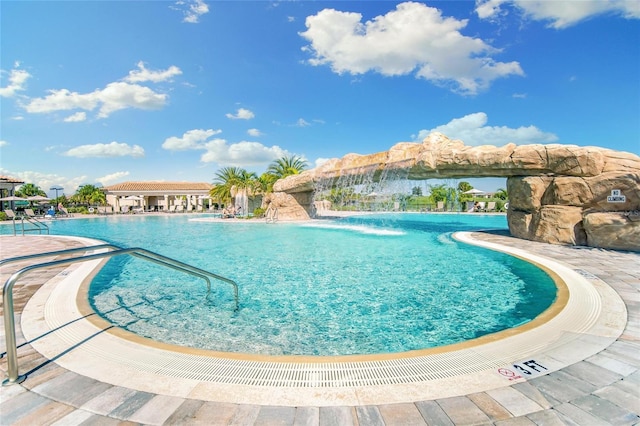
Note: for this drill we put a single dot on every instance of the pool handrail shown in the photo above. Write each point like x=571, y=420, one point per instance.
x=38, y=226
x=7, y=293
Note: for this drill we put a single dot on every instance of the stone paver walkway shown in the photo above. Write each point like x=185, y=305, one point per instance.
x=604, y=389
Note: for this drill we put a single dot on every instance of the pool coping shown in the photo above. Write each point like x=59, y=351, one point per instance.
x=440, y=374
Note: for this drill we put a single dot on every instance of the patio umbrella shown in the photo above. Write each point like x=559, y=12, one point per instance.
x=474, y=191
x=38, y=198
x=13, y=198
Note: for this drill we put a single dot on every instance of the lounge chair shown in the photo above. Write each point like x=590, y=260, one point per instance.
x=124, y=209
x=11, y=214
x=63, y=212
x=480, y=207
x=189, y=208
x=199, y=208
x=172, y=209
x=30, y=213
x=491, y=206
x=180, y=209
x=440, y=206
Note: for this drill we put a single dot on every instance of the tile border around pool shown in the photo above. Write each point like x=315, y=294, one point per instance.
x=436, y=373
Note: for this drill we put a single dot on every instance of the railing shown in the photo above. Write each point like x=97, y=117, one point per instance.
x=271, y=215
x=7, y=294
x=37, y=225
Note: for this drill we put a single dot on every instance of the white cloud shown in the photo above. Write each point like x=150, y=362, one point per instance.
x=17, y=82
x=3, y=143
x=241, y=114
x=113, y=149
x=302, y=123
x=48, y=180
x=473, y=131
x=561, y=14
x=113, y=177
x=254, y=132
x=78, y=116
x=192, y=10
x=320, y=161
x=192, y=139
x=114, y=97
x=413, y=38
x=143, y=74
x=241, y=154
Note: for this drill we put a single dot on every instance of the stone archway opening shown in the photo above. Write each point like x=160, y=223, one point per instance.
x=564, y=194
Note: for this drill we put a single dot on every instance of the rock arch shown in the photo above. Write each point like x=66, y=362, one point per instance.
x=564, y=194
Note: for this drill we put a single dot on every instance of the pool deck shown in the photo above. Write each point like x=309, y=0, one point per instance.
x=602, y=389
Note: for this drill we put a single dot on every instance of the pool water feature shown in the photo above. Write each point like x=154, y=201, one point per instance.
x=361, y=285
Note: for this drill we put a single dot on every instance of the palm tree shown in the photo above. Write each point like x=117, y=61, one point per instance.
x=29, y=190
x=89, y=195
x=231, y=181
x=501, y=193
x=287, y=166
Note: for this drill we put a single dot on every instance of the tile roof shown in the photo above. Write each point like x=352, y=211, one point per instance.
x=9, y=179
x=158, y=186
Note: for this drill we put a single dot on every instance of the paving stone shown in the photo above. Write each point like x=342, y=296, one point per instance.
x=214, y=413
x=514, y=401
x=185, y=412
x=401, y=414
x=245, y=414
x=336, y=416
x=15, y=408
x=49, y=412
x=156, y=410
x=592, y=373
x=71, y=388
x=433, y=413
x=606, y=410
x=75, y=417
x=612, y=364
x=131, y=405
x=561, y=390
x=620, y=397
x=546, y=418
x=462, y=411
x=624, y=351
x=369, y=415
x=271, y=415
x=490, y=406
x=108, y=400
x=571, y=414
x=515, y=421
x=307, y=416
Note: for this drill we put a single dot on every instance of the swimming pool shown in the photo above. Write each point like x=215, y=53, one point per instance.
x=361, y=285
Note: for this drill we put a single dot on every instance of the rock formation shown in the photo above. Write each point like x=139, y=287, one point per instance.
x=563, y=194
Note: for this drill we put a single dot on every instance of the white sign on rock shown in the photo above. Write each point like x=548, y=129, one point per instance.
x=616, y=197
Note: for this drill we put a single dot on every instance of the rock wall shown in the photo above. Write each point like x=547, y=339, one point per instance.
x=563, y=194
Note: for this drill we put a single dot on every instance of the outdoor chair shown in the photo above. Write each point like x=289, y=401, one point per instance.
x=63, y=212
x=440, y=206
x=491, y=206
x=30, y=213
x=11, y=214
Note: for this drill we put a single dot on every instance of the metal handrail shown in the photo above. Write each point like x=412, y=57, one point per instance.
x=7, y=294
x=39, y=226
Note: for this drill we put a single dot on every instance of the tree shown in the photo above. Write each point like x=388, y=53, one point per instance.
x=29, y=190
x=230, y=181
x=502, y=194
x=287, y=166
x=89, y=195
x=417, y=191
x=462, y=188
x=438, y=192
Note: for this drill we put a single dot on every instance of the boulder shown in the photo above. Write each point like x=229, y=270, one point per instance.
x=558, y=225
x=525, y=193
x=619, y=231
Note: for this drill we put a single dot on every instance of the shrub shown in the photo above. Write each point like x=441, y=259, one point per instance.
x=258, y=212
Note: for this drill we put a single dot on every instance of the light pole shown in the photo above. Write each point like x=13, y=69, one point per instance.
x=56, y=188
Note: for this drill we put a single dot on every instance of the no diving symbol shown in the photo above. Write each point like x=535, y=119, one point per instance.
x=511, y=375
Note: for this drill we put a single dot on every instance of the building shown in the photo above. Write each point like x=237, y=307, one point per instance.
x=159, y=196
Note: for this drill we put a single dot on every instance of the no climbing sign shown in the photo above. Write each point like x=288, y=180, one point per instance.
x=616, y=197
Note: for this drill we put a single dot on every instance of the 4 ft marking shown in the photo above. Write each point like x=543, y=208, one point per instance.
x=523, y=369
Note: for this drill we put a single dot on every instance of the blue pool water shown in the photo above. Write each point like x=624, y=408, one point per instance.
x=361, y=285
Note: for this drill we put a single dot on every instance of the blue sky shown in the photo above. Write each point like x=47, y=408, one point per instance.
x=101, y=92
